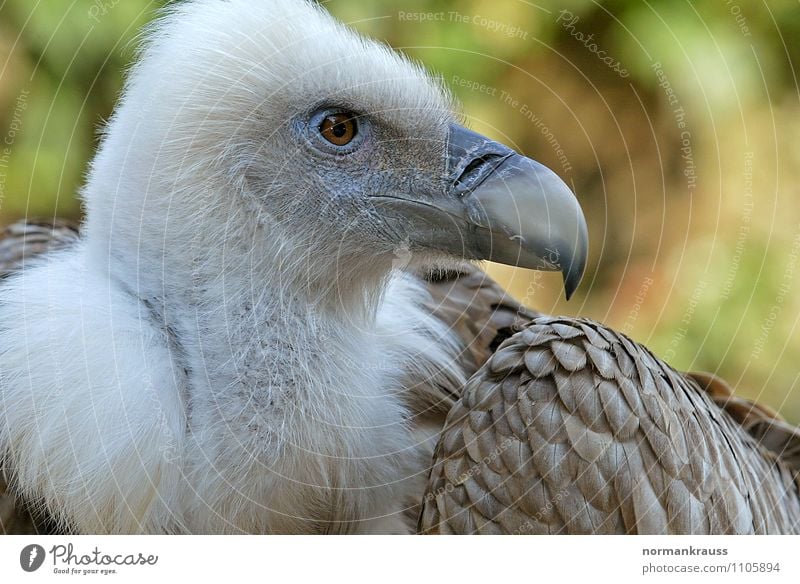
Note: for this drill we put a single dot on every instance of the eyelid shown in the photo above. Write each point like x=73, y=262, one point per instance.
x=314, y=137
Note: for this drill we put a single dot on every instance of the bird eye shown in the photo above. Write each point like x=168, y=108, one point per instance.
x=339, y=129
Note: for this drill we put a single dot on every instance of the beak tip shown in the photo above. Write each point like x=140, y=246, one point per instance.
x=573, y=274
x=518, y=211
x=570, y=283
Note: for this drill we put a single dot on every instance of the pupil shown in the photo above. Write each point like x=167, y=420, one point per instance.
x=339, y=130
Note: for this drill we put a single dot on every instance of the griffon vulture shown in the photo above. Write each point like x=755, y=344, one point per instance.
x=267, y=318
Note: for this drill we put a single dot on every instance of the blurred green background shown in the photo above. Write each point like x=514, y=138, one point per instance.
x=676, y=123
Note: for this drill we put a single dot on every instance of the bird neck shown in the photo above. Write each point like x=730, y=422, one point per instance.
x=223, y=279
x=247, y=298
x=272, y=280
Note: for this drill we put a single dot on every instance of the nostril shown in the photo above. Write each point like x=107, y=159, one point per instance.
x=471, y=158
x=475, y=164
x=477, y=170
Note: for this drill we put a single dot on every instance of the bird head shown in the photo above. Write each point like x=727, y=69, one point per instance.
x=272, y=131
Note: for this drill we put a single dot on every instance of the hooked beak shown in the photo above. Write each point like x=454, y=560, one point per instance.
x=499, y=206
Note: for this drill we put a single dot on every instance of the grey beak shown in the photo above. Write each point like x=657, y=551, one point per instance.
x=499, y=206
x=524, y=214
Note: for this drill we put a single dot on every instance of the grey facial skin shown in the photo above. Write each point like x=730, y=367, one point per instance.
x=499, y=206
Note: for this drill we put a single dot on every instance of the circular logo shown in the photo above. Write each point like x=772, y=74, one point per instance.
x=31, y=557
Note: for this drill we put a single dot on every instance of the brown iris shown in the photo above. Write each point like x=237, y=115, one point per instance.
x=338, y=129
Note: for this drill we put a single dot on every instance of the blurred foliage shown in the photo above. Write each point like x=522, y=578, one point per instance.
x=686, y=165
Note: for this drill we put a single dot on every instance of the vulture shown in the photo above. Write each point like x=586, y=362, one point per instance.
x=271, y=322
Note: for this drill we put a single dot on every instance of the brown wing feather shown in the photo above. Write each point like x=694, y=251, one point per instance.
x=480, y=315
x=530, y=449
x=573, y=428
x=24, y=240
x=760, y=421
x=477, y=310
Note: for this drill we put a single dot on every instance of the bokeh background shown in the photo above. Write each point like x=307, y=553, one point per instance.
x=676, y=122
